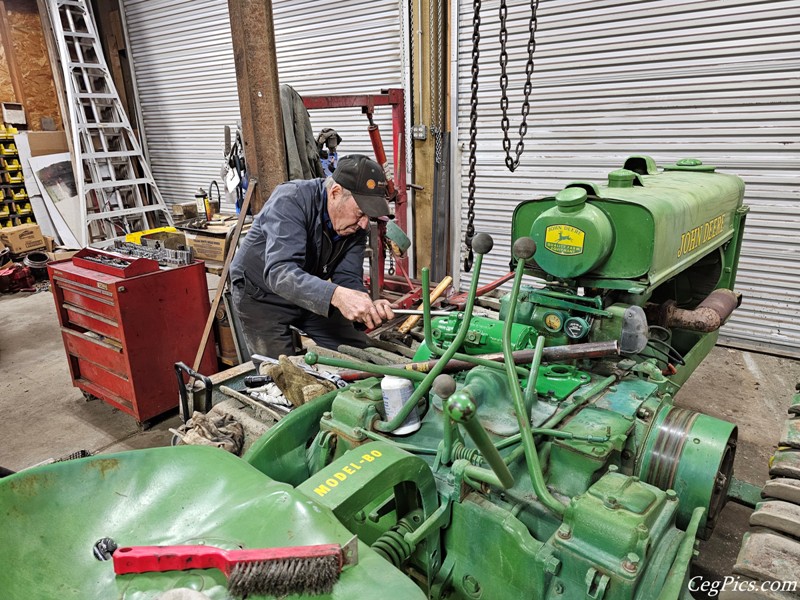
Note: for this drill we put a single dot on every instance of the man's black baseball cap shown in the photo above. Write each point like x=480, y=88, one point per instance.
x=365, y=179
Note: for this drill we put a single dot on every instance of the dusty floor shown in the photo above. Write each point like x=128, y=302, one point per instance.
x=44, y=417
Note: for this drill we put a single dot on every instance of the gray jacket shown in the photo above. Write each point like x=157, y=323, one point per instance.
x=289, y=251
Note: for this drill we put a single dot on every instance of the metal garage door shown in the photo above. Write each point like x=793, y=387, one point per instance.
x=185, y=75
x=715, y=80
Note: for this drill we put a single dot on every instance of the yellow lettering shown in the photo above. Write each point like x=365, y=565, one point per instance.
x=340, y=476
x=376, y=453
x=332, y=482
x=322, y=490
x=348, y=470
x=367, y=458
x=355, y=466
x=697, y=236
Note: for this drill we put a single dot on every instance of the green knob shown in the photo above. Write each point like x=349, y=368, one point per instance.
x=460, y=407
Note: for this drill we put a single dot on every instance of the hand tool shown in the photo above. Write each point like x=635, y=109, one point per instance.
x=333, y=378
x=409, y=323
x=419, y=313
x=260, y=572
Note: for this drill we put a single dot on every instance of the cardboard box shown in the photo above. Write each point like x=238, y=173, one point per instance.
x=22, y=238
x=61, y=254
x=207, y=246
x=49, y=243
x=184, y=210
x=47, y=142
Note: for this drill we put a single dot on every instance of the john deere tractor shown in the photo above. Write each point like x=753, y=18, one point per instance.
x=535, y=456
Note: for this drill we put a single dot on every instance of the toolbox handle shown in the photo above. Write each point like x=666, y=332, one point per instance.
x=180, y=369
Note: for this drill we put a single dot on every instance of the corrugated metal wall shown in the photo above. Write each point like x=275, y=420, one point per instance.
x=186, y=81
x=715, y=80
x=183, y=60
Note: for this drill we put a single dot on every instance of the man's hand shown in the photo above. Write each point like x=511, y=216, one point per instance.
x=358, y=306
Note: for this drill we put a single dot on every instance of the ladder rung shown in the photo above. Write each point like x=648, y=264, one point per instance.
x=115, y=154
x=75, y=3
x=79, y=34
x=85, y=65
x=96, y=96
x=102, y=126
x=125, y=212
x=120, y=183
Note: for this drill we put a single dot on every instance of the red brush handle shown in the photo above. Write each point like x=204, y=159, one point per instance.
x=147, y=559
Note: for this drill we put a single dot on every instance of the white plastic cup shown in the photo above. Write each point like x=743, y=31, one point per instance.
x=396, y=391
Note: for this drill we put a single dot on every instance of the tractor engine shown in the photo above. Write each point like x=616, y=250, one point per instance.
x=564, y=469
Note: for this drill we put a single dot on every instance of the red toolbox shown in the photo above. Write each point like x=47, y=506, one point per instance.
x=125, y=322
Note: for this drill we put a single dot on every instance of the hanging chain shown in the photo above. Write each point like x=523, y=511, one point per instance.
x=512, y=164
x=390, y=270
x=435, y=68
x=438, y=106
x=473, y=135
x=409, y=96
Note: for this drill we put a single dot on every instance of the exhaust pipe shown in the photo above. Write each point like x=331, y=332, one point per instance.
x=709, y=315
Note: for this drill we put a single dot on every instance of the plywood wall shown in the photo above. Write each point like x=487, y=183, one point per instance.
x=6, y=87
x=32, y=62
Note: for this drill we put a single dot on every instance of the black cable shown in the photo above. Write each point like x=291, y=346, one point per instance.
x=673, y=353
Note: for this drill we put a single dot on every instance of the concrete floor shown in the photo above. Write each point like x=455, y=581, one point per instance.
x=44, y=417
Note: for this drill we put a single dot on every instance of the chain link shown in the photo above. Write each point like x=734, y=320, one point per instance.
x=513, y=163
x=390, y=269
x=473, y=135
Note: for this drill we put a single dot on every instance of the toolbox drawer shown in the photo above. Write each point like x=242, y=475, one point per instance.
x=93, y=322
x=94, y=302
x=99, y=352
x=103, y=378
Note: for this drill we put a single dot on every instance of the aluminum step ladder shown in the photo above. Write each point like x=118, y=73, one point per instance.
x=116, y=189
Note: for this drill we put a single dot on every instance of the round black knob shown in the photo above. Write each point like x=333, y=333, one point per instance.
x=482, y=243
x=524, y=248
x=444, y=386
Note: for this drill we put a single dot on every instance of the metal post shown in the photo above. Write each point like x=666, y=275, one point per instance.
x=253, y=33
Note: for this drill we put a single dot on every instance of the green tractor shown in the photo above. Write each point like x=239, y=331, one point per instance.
x=535, y=456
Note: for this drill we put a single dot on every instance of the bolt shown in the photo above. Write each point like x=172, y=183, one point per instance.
x=471, y=586
x=613, y=468
x=643, y=530
x=564, y=532
x=121, y=289
x=631, y=562
x=696, y=440
x=357, y=434
x=672, y=495
x=558, y=588
x=360, y=516
x=326, y=415
x=611, y=502
x=552, y=566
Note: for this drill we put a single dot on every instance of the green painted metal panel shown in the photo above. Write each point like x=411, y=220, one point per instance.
x=161, y=496
x=662, y=223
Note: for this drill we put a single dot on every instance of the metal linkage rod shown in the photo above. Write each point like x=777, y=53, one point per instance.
x=482, y=244
x=524, y=248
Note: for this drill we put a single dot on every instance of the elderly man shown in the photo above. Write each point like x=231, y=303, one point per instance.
x=301, y=263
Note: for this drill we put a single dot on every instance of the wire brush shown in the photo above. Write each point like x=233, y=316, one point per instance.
x=265, y=571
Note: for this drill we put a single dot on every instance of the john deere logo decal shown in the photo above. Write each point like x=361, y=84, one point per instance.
x=564, y=239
